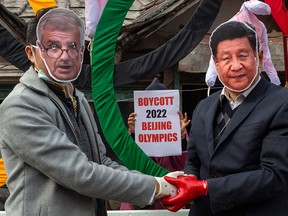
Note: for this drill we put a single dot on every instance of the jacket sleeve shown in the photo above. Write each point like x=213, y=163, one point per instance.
x=12, y=50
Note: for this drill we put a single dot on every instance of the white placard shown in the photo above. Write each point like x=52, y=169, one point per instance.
x=157, y=125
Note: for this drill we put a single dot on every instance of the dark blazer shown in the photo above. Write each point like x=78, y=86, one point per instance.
x=247, y=173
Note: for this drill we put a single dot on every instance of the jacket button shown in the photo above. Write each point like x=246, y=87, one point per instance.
x=227, y=207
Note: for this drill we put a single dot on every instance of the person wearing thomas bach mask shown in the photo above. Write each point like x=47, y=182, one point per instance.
x=237, y=151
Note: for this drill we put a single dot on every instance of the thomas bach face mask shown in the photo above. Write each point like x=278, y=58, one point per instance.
x=59, y=68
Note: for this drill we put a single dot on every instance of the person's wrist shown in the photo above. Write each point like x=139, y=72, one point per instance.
x=157, y=187
x=130, y=131
x=183, y=135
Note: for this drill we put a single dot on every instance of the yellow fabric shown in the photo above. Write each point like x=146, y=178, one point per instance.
x=39, y=4
x=2, y=173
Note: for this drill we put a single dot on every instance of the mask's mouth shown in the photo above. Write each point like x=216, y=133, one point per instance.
x=240, y=90
x=256, y=59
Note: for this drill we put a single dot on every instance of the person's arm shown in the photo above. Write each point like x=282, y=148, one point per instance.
x=184, y=122
x=131, y=122
x=13, y=50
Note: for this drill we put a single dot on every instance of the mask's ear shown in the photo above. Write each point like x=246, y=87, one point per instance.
x=82, y=50
x=82, y=53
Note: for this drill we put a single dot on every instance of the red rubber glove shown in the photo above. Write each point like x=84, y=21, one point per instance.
x=189, y=188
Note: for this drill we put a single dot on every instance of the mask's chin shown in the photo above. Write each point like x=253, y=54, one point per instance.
x=57, y=79
x=239, y=90
x=248, y=86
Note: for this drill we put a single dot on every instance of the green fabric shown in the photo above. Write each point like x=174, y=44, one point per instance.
x=105, y=104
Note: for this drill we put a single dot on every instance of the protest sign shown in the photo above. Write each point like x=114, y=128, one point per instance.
x=157, y=126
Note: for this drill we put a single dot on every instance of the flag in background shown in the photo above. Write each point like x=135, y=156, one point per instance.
x=279, y=13
x=2, y=173
x=39, y=4
x=93, y=11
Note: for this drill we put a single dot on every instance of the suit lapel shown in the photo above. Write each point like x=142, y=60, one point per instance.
x=88, y=122
x=255, y=96
x=209, y=126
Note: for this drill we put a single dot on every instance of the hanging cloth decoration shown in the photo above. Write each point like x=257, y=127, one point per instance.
x=280, y=14
x=93, y=12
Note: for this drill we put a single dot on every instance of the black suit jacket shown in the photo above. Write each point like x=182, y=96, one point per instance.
x=247, y=173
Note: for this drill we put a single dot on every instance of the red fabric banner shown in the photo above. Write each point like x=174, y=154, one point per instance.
x=279, y=13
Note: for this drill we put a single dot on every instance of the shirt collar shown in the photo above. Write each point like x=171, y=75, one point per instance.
x=240, y=98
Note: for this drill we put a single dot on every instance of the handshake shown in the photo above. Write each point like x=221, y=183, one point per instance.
x=175, y=190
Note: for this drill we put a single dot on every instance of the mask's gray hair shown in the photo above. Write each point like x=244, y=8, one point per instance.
x=61, y=19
